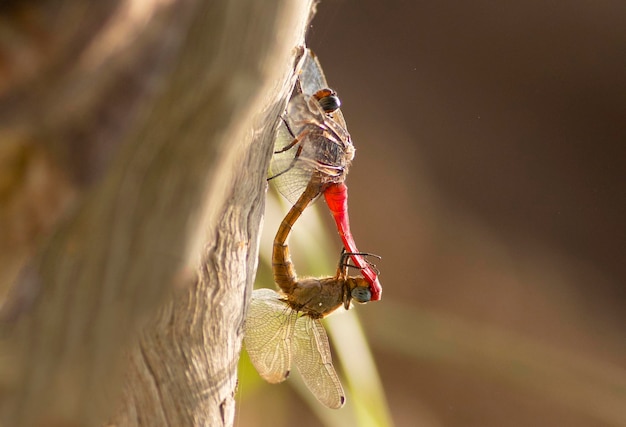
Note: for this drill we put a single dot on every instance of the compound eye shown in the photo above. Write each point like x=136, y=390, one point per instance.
x=328, y=99
x=330, y=103
x=361, y=294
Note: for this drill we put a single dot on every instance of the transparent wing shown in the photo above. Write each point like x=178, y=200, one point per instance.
x=312, y=79
x=308, y=141
x=304, y=112
x=268, y=330
x=311, y=354
x=288, y=172
x=312, y=76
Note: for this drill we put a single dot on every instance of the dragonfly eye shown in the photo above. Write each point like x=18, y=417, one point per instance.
x=330, y=103
x=361, y=294
x=328, y=99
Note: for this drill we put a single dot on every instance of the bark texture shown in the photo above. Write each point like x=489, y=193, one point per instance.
x=134, y=142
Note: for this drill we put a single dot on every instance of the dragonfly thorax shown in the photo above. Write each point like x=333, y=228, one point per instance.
x=318, y=298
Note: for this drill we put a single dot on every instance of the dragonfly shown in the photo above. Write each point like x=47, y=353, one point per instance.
x=285, y=327
x=313, y=146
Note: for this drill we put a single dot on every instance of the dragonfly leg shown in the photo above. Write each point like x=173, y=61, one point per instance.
x=291, y=165
x=293, y=135
x=344, y=261
x=296, y=139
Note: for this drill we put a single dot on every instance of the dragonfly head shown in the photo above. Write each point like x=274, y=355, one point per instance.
x=328, y=99
x=362, y=294
x=359, y=290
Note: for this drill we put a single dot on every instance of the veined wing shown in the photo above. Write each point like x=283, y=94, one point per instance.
x=305, y=112
x=309, y=141
x=268, y=333
x=311, y=354
x=312, y=79
x=289, y=173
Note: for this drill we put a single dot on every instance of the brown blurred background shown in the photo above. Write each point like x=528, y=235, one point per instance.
x=490, y=176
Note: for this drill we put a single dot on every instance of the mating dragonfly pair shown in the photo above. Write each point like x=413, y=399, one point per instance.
x=312, y=155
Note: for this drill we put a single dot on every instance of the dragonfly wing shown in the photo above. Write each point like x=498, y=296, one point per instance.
x=304, y=110
x=268, y=331
x=311, y=354
x=327, y=141
x=289, y=172
x=307, y=142
x=312, y=76
x=309, y=139
x=312, y=79
x=337, y=116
